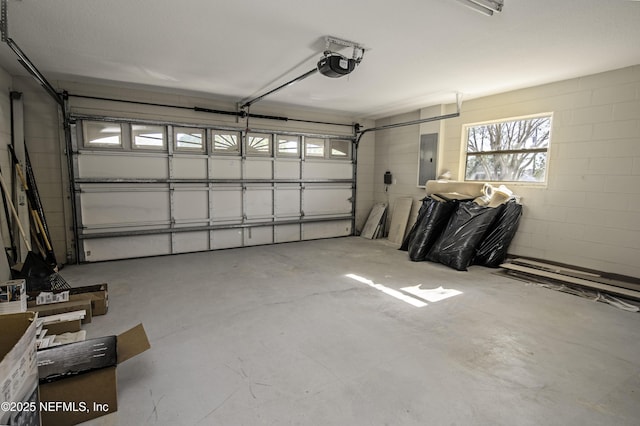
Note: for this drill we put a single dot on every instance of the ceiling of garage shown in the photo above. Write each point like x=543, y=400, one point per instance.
x=420, y=52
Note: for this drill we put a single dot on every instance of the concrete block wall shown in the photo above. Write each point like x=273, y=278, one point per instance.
x=42, y=140
x=5, y=163
x=588, y=213
x=396, y=152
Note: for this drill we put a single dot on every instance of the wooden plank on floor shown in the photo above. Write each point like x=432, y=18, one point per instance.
x=575, y=273
x=399, y=219
x=623, y=292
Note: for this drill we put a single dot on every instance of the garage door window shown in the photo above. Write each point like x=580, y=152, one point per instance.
x=289, y=146
x=314, y=147
x=258, y=144
x=340, y=148
x=148, y=137
x=226, y=142
x=189, y=139
x=102, y=134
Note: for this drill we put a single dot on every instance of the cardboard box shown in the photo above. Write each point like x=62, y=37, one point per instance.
x=18, y=369
x=90, y=394
x=64, y=307
x=62, y=327
x=13, y=297
x=59, y=362
x=97, y=294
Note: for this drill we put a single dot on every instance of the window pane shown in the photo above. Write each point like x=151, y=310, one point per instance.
x=314, y=147
x=148, y=136
x=258, y=143
x=189, y=139
x=510, y=135
x=524, y=167
x=102, y=134
x=225, y=142
x=289, y=145
x=525, y=143
x=340, y=148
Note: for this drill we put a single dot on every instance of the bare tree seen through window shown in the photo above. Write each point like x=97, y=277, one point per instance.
x=508, y=151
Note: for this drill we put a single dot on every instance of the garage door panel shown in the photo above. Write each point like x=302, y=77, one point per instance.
x=258, y=236
x=127, y=247
x=226, y=168
x=185, y=242
x=122, y=167
x=189, y=167
x=190, y=204
x=328, y=170
x=327, y=200
x=259, y=202
x=287, y=169
x=122, y=207
x=314, y=231
x=287, y=233
x=227, y=204
x=259, y=168
x=226, y=238
x=287, y=202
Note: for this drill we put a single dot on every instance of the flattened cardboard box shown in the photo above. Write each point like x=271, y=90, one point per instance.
x=64, y=307
x=94, y=393
x=18, y=367
x=59, y=362
x=97, y=294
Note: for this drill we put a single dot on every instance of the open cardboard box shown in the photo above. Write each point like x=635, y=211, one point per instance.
x=18, y=368
x=97, y=294
x=90, y=394
x=64, y=307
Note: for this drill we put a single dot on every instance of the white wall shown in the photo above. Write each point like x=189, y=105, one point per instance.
x=42, y=139
x=397, y=152
x=5, y=164
x=589, y=213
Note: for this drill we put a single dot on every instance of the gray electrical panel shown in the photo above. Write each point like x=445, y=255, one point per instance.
x=427, y=168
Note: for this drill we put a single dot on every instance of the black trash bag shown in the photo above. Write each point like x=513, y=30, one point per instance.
x=464, y=232
x=492, y=250
x=434, y=220
x=423, y=209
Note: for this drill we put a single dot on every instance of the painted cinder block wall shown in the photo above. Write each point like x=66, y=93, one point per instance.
x=397, y=151
x=5, y=163
x=588, y=213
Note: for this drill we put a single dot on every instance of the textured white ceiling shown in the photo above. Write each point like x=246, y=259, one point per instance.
x=421, y=51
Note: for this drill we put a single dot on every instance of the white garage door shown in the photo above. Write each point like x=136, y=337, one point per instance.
x=147, y=188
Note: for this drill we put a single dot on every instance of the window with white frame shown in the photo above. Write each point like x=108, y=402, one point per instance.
x=258, y=144
x=226, y=142
x=289, y=145
x=145, y=136
x=340, y=148
x=511, y=150
x=102, y=134
x=189, y=139
x=314, y=147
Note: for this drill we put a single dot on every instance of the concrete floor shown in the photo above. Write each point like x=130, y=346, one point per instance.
x=280, y=335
